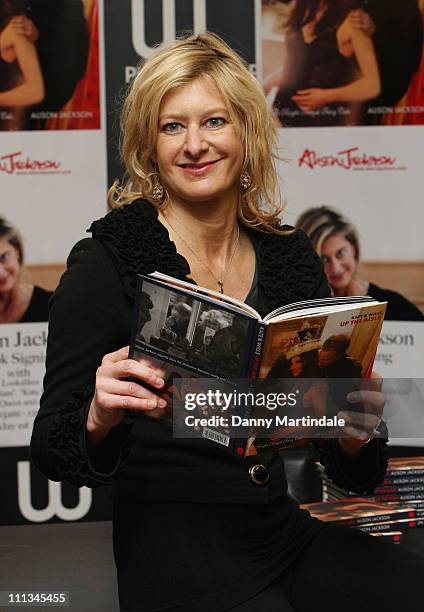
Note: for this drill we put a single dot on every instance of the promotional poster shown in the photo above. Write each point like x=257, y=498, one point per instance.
x=343, y=63
x=49, y=65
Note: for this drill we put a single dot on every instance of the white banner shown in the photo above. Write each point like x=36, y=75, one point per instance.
x=22, y=359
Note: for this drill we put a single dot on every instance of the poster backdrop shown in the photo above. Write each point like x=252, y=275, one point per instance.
x=52, y=141
x=53, y=183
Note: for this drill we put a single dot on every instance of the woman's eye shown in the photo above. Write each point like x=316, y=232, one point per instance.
x=215, y=122
x=172, y=128
x=324, y=259
x=4, y=257
x=341, y=253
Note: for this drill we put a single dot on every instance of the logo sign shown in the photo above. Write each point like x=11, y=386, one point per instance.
x=138, y=18
x=54, y=506
x=19, y=163
x=348, y=159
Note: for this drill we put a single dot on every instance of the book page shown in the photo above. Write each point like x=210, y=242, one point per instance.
x=213, y=295
x=319, y=306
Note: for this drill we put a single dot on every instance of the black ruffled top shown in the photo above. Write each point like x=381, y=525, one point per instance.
x=90, y=316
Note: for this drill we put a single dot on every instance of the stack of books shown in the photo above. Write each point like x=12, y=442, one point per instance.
x=383, y=520
x=404, y=482
x=402, y=490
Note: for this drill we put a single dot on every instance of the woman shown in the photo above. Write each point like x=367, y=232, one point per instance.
x=195, y=528
x=178, y=320
x=22, y=79
x=20, y=302
x=331, y=45
x=209, y=323
x=44, y=49
x=336, y=240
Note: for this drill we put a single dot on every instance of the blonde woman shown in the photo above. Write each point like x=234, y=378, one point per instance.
x=20, y=301
x=195, y=528
x=336, y=241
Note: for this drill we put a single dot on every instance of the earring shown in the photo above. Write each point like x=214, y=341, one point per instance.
x=158, y=191
x=245, y=181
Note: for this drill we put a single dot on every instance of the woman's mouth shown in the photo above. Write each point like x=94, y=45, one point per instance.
x=200, y=168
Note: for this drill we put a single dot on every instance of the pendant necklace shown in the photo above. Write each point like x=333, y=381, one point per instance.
x=219, y=281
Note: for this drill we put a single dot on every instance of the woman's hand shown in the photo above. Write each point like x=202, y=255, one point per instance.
x=361, y=20
x=310, y=99
x=361, y=427
x=17, y=26
x=114, y=394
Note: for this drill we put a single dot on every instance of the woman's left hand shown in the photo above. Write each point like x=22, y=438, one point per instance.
x=361, y=427
x=310, y=99
x=25, y=27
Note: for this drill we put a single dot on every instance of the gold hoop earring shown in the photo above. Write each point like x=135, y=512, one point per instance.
x=158, y=191
x=245, y=181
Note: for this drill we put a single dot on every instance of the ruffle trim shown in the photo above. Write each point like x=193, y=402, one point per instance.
x=139, y=243
x=66, y=443
x=292, y=259
x=289, y=269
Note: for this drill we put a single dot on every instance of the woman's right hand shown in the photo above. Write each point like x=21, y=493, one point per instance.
x=114, y=394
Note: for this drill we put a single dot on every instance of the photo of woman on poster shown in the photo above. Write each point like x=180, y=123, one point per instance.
x=339, y=69
x=20, y=301
x=337, y=64
x=21, y=79
x=49, y=77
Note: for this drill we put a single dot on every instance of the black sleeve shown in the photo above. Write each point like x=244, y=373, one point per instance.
x=401, y=309
x=361, y=474
x=85, y=323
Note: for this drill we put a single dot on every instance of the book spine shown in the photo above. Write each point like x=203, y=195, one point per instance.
x=395, y=497
x=377, y=518
x=258, y=344
x=403, y=480
x=398, y=489
x=391, y=473
x=393, y=526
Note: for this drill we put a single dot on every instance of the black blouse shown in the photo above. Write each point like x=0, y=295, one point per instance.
x=154, y=475
x=38, y=308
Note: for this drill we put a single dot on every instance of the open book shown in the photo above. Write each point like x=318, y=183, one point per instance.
x=195, y=333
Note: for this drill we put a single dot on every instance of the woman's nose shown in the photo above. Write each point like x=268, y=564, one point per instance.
x=195, y=142
x=332, y=266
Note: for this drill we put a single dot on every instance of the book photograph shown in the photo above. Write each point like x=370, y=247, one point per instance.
x=191, y=332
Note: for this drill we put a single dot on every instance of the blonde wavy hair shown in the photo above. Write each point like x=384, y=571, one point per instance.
x=195, y=56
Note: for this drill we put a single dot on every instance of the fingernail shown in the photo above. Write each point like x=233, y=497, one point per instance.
x=151, y=403
x=162, y=403
x=159, y=382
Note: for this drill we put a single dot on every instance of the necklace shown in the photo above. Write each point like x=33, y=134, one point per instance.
x=219, y=281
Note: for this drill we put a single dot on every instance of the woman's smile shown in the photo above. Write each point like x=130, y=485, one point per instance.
x=199, y=151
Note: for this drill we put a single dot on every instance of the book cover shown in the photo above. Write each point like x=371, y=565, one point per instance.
x=193, y=333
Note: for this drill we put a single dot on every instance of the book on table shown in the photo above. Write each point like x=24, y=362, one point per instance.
x=192, y=333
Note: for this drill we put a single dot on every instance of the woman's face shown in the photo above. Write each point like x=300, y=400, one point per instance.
x=175, y=314
x=9, y=266
x=338, y=257
x=296, y=366
x=198, y=151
